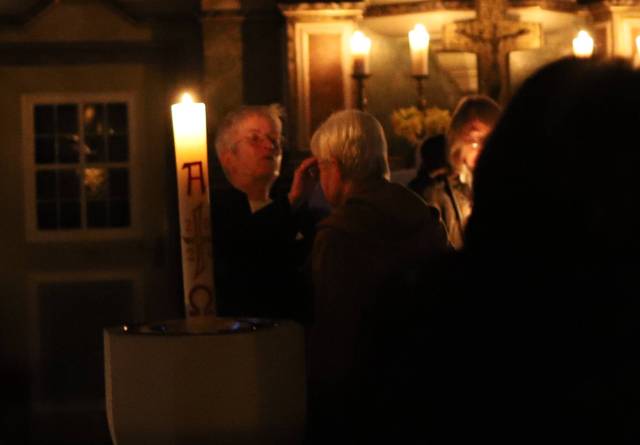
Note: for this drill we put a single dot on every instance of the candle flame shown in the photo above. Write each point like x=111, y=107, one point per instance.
x=583, y=44
x=360, y=44
x=638, y=44
x=187, y=99
x=419, y=37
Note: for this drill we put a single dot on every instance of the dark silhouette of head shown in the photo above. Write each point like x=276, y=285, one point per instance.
x=433, y=154
x=552, y=247
x=558, y=175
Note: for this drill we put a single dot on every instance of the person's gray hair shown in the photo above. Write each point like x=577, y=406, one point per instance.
x=471, y=107
x=356, y=141
x=224, y=136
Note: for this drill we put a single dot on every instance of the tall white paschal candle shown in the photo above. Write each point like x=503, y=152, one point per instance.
x=360, y=48
x=190, y=141
x=419, y=44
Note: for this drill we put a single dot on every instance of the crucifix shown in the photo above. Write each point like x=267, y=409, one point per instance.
x=492, y=35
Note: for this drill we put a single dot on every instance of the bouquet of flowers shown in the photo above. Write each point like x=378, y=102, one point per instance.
x=414, y=124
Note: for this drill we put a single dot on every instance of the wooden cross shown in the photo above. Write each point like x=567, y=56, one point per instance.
x=492, y=36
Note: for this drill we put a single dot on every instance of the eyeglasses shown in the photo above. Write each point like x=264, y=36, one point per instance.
x=256, y=139
x=475, y=138
x=475, y=143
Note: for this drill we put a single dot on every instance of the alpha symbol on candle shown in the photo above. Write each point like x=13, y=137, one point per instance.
x=191, y=177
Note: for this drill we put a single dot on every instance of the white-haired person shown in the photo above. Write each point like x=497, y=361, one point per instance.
x=260, y=239
x=376, y=231
x=451, y=192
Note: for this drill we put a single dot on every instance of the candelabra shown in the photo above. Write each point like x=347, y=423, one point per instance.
x=361, y=94
x=420, y=78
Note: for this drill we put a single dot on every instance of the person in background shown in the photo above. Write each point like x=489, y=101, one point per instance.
x=433, y=163
x=376, y=232
x=260, y=240
x=451, y=191
x=539, y=341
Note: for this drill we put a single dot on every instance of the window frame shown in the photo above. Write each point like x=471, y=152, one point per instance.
x=33, y=233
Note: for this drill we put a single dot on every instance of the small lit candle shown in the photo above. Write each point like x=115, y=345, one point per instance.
x=583, y=45
x=419, y=44
x=190, y=141
x=360, y=48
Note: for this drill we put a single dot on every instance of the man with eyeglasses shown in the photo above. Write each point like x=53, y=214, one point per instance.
x=260, y=239
x=368, y=257
x=450, y=192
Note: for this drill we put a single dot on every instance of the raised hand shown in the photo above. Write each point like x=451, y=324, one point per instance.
x=305, y=179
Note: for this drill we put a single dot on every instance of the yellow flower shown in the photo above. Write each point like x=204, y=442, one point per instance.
x=414, y=125
x=436, y=121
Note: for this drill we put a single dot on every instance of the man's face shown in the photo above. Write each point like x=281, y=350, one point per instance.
x=473, y=136
x=258, y=153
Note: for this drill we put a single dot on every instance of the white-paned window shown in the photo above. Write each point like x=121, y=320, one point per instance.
x=78, y=159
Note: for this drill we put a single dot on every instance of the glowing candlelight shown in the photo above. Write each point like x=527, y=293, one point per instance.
x=636, y=59
x=190, y=141
x=360, y=48
x=583, y=45
x=419, y=44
